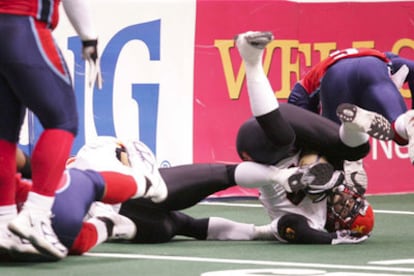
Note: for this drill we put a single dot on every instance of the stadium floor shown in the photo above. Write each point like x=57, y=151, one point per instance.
x=389, y=251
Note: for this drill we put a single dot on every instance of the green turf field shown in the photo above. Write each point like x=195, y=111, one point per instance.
x=390, y=250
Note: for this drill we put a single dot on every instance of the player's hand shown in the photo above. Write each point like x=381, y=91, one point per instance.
x=90, y=54
x=348, y=237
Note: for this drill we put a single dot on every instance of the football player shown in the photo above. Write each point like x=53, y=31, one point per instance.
x=297, y=217
x=366, y=78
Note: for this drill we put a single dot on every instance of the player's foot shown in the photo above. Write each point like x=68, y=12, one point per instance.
x=409, y=126
x=142, y=159
x=318, y=174
x=6, y=240
x=36, y=226
x=366, y=121
x=18, y=249
x=251, y=45
x=356, y=176
x=119, y=227
x=319, y=191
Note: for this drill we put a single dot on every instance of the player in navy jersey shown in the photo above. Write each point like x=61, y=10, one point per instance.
x=363, y=77
x=34, y=75
x=123, y=174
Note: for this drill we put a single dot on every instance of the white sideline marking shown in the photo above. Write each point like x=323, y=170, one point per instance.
x=393, y=262
x=244, y=262
x=261, y=206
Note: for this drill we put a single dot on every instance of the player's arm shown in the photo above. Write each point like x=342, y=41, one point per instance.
x=79, y=15
x=294, y=228
x=300, y=97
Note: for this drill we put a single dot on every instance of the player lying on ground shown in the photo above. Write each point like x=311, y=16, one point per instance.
x=300, y=222
x=111, y=182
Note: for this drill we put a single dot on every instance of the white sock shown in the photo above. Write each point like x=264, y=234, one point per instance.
x=352, y=137
x=224, y=229
x=264, y=232
x=252, y=175
x=101, y=230
x=261, y=95
x=39, y=202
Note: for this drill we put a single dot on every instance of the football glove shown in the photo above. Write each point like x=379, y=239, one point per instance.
x=348, y=237
x=90, y=54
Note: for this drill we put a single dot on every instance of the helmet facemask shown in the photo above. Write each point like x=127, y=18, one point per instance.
x=349, y=210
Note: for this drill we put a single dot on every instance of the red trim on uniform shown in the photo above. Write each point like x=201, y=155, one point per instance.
x=49, y=47
x=312, y=79
x=86, y=239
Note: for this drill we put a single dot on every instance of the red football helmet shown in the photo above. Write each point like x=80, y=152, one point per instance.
x=349, y=210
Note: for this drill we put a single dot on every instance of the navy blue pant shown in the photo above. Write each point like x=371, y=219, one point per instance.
x=33, y=74
x=72, y=202
x=363, y=81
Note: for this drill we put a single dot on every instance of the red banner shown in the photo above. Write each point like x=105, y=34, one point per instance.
x=304, y=33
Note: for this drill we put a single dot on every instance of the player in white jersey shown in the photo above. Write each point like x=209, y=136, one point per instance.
x=302, y=221
x=104, y=154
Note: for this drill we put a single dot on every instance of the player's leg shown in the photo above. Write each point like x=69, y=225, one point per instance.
x=102, y=223
x=263, y=103
x=155, y=225
x=268, y=137
x=11, y=117
x=51, y=98
x=189, y=184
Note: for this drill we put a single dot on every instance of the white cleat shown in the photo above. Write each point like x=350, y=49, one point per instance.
x=306, y=177
x=121, y=227
x=409, y=126
x=36, y=226
x=356, y=176
x=372, y=123
x=251, y=45
x=300, y=178
x=19, y=249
